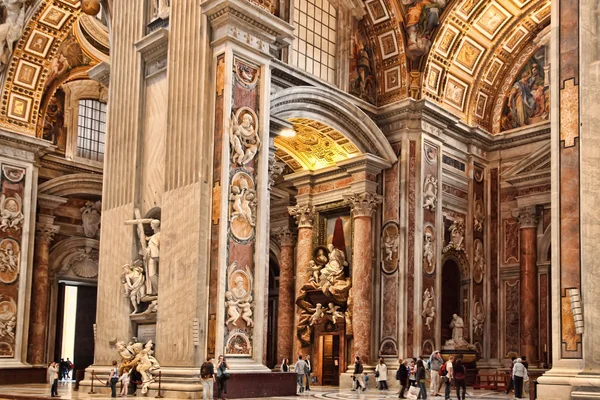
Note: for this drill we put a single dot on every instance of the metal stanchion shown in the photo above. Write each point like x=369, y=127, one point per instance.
x=159, y=396
x=92, y=386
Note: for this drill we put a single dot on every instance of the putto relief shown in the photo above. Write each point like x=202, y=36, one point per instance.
x=389, y=247
x=430, y=192
x=242, y=206
x=429, y=250
x=243, y=136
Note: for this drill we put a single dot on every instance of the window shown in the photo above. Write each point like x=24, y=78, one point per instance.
x=314, y=48
x=91, y=130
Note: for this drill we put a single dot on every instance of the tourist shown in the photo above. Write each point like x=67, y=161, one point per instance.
x=70, y=366
x=421, y=377
x=381, y=375
x=53, y=379
x=435, y=362
x=460, y=376
x=402, y=377
x=113, y=378
x=511, y=382
x=449, y=377
x=519, y=374
x=124, y=379
x=308, y=372
x=222, y=377
x=412, y=373
x=207, y=373
x=284, y=365
x=366, y=380
x=300, y=369
x=357, y=376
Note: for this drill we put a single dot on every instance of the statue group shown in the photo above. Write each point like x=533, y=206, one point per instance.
x=136, y=356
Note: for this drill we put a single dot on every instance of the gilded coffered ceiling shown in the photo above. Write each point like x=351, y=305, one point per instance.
x=314, y=146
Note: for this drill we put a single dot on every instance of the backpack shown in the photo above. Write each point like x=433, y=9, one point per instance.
x=205, y=370
x=443, y=370
x=360, y=368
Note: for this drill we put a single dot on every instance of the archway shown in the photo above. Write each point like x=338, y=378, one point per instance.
x=273, y=305
x=451, y=299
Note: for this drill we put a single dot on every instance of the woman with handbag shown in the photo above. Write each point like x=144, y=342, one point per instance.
x=53, y=379
x=222, y=377
x=381, y=375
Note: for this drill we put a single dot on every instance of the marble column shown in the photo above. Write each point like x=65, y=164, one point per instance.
x=40, y=290
x=529, y=293
x=362, y=205
x=285, y=321
x=305, y=216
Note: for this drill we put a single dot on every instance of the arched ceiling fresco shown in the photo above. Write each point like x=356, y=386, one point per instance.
x=41, y=56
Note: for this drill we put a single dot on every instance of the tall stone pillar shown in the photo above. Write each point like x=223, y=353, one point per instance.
x=305, y=216
x=362, y=205
x=528, y=220
x=38, y=324
x=285, y=321
x=242, y=37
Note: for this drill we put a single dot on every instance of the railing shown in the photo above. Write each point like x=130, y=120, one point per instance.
x=158, y=395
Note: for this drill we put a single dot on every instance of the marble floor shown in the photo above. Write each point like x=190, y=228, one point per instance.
x=37, y=391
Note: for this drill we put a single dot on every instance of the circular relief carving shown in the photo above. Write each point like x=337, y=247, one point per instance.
x=429, y=250
x=389, y=247
x=10, y=259
x=242, y=206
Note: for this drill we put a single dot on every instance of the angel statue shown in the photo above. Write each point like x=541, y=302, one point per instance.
x=428, y=307
x=244, y=139
x=134, y=283
x=317, y=315
x=333, y=313
x=11, y=216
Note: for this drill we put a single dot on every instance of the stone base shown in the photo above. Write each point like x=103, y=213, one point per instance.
x=18, y=376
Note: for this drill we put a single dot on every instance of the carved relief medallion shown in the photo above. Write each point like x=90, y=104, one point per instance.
x=238, y=298
x=238, y=344
x=478, y=216
x=429, y=250
x=245, y=73
x=8, y=318
x=11, y=212
x=13, y=174
x=430, y=192
x=429, y=311
x=478, y=261
x=243, y=136
x=10, y=259
x=389, y=247
x=242, y=206
x=478, y=317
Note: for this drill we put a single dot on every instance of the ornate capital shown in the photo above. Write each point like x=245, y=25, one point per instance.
x=45, y=233
x=285, y=236
x=304, y=215
x=275, y=170
x=527, y=216
x=363, y=204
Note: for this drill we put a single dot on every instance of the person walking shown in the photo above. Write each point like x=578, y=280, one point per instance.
x=358, y=375
x=519, y=373
x=449, y=377
x=402, y=377
x=421, y=377
x=124, y=379
x=381, y=375
x=207, y=374
x=435, y=362
x=284, y=365
x=222, y=377
x=113, y=378
x=300, y=369
x=308, y=372
x=412, y=373
x=53, y=379
x=460, y=379
x=511, y=382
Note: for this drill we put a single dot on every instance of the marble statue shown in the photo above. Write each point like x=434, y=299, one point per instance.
x=276, y=168
x=244, y=139
x=12, y=28
x=458, y=339
x=428, y=253
x=9, y=258
x=139, y=357
x=233, y=312
x=134, y=284
x=160, y=8
x=428, y=307
x=317, y=315
x=150, y=251
x=316, y=271
x=478, y=318
x=8, y=317
x=90, y=217
x=246, y=307
x=11, y=215
x=430, y=191
x=333, y=313
x=478, y=261
x=243, y=202
x=457, y=236
x=238, y=301
x=478, y=216
x=334, y=269
x=389, y=246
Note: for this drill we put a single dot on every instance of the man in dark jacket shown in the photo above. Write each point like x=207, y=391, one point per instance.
x=402, y=377
x=358, y=375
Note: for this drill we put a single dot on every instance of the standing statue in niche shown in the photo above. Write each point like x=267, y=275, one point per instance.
x=160, y=8
x=90, y=216
x=150, y=252
x=134, y=284
x=428, y=254
x=12, y=27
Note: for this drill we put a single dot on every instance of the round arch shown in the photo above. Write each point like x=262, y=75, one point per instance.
x=78, y=254
x=327, y=106
x=73, y=184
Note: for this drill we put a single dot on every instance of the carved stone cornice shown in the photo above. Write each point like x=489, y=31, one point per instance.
x=285, y=236
x=528, y=216
x=304, y=215
x=100, y=73
x=363, y=204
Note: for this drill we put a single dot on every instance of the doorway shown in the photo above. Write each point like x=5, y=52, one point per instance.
x=331, y=360
x=451, y=299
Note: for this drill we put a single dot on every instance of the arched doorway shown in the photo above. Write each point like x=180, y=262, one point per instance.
x=451, y=299
x=271, y=360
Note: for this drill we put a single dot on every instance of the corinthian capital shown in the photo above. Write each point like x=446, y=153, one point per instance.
x=304, y=215
x=45, y=233
x=285, y=236
x=527, y=216
x=363, y=204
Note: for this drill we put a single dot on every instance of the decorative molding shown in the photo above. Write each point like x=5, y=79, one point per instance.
x=304, y=215
x=285, y=236
x=100, y=73
x=363, y=204
x=45, y=233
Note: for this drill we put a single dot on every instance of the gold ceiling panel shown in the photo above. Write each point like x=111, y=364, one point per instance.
x=315, y=146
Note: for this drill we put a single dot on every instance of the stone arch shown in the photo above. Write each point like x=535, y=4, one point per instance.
x=76, y=257
x=326, y=106
x=73, y=184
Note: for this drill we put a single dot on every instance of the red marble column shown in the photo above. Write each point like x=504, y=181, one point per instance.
x=529, y=291
x=304, y=216
x=38, y=323
x=285, y=315
x=363, y=206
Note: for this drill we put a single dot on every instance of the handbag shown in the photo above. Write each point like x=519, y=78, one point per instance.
x=376, y=374
x=413, y=392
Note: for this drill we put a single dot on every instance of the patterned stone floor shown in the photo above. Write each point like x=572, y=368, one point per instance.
x=65, y=391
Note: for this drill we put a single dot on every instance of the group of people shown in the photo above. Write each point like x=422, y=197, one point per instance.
x=210, y=377
x=303, y=369
x=58, y=371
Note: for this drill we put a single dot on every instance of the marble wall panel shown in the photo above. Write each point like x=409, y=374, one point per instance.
x=410, y=268
x=479, y=268
x=493, y=267
x=512, y=318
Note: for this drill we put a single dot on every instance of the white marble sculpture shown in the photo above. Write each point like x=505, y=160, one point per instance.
x=246, y=307
x=478, y=318
x=134, y=284
x=478, y=216
x=428, y=307
x=11, y=215
x=140, y=357
x=333, y=313
x=8, y=317
x=90, y=217
x=389, y=245
x=478, y=261
x=316, y=271
x=12, y=28
x=457, y=236
x=243, y=138
x=458, y=338
x=430, y=191
x=428, y=253
x=238, y=301
x=276, y=168
x=9, y=258
x=334, y=269
x=149, y=250
x=160, y=8
x=243, y=202
x=317, y=314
